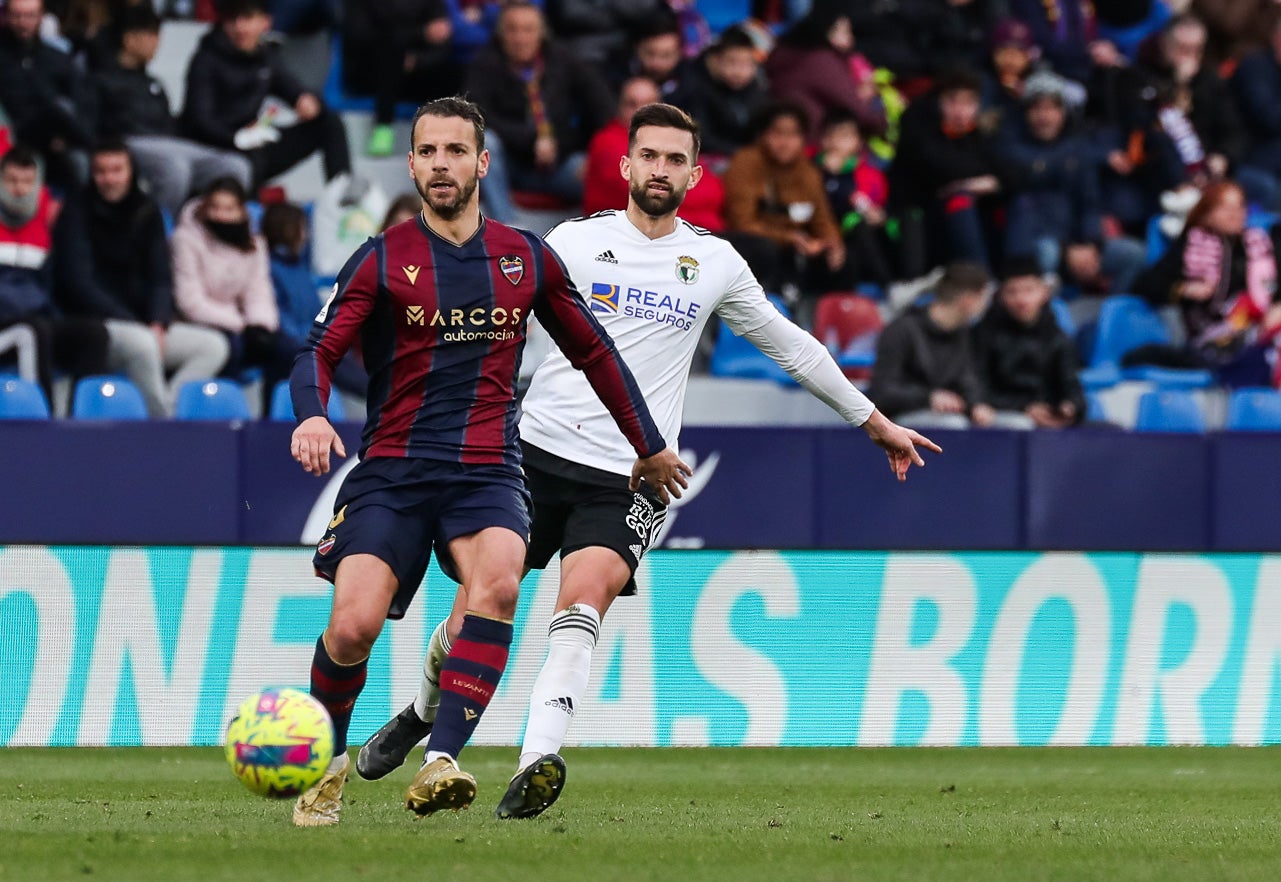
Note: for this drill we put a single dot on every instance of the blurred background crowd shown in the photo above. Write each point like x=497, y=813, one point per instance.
x=994, y=212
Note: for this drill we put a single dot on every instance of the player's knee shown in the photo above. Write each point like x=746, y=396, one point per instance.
x=350, y=639
x=497, y=596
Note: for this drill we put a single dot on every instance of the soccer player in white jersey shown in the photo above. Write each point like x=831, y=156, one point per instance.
x=653, y=281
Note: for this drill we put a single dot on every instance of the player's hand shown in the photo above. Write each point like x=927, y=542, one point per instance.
x=898, y=442
x=312, y=441
x=307, y=107
x=665, y=472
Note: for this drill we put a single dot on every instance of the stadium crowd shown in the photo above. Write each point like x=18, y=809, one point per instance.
x=887, y=163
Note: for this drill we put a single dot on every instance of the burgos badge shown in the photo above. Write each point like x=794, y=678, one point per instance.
x=513, y=268
x=687, y=269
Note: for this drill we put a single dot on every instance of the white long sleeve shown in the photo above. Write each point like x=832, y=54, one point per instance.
x=809, y=363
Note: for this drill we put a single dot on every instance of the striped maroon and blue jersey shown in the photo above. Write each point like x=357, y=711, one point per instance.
x=442, y=328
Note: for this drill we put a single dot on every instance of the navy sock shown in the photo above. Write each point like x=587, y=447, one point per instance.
x=468, y=679
x=336, y=687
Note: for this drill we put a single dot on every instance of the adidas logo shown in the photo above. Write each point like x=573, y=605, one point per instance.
x=607, y=257
x=637, y=551
x=566, y=704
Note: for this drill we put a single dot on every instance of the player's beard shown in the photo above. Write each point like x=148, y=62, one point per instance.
x=444, y=207
x=656, y=204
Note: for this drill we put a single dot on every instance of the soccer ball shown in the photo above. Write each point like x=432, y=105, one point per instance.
x=280, y=742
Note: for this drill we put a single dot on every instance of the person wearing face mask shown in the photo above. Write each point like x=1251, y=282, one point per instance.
x=222, y=281
x=27, y=214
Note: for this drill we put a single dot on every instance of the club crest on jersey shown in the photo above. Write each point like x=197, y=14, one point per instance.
x=687, y=269
x=604, y=298
x=513, y=268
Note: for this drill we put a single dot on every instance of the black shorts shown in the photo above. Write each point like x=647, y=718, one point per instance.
x=577, y=506
x=397, y=509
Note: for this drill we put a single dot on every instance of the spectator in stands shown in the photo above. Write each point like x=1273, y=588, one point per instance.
x=237, y=88
x=222, y=280
x=599, y=32
x=1026, y=364
x=284, y=227
x=857, y=193
x=111, y=262
x=135, y=107
x=1223, y=278
x=925, y=374
x=815, y=65
x=659, y=54
x=541, y=105
x=724, y=92
x=402, y=208
x=75, y=344
x=774, y=193
x=1194, y=133
x=396, y=48
x=49, y=101
x=1236, y=27
x=1053, y=208
x=1066, y=31
x=947, y=170
x=472, y=23
x=1257, y=85
x=1012, y=59
x=605, y=187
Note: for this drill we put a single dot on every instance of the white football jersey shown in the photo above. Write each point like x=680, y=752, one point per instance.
x=653, y=296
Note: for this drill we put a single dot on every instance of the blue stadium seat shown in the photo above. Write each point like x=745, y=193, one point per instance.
x=1169, y=410
x=1254, y=410
x=107, y=398
x=1094, y=410
x=734, y=356
x=282, y=405
x=1127, y=322
x=1063, y=316
x=211, y=400
x=22, y=400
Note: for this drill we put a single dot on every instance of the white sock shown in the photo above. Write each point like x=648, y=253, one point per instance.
x=432, y=755
x=427, y=701
x=558, y=691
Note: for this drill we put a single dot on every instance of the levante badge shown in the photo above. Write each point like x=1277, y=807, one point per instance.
x=513, y=268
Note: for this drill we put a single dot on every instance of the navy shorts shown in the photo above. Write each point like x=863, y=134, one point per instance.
x=398, y=509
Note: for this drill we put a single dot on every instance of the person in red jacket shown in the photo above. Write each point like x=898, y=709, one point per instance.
x=605, y=186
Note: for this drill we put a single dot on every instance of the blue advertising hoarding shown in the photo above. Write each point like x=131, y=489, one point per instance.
x=137, y=645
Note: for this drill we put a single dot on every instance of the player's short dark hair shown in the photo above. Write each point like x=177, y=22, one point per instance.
x=664, y=116
x=229, y=10
x=778, y=109
x=453, y=106
x=733, y=37
x=1018, y=266
x=137, y=17
x=960, y=277
x=19, y=156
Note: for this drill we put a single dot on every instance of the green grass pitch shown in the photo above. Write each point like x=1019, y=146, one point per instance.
x=716, y=814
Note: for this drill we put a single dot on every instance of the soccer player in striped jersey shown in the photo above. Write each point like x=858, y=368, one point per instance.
x=441, y=304
x=654, y=281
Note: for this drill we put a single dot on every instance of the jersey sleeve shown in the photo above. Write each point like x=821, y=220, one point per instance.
x=563, y=313
x=333, y=331
x=744, y=307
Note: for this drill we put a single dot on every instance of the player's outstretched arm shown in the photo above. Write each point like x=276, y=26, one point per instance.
x=898, y=442
x=312, y=441
x=664, y=471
